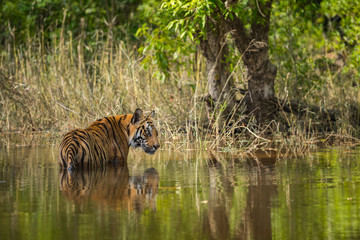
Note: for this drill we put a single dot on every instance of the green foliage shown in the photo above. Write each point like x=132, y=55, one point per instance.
x=162, y=46
x=174, y=30
x=306, y=56
x=189, y=17
x=349, y=12
x=26, y=18
x=288, y=31
x=314, y=45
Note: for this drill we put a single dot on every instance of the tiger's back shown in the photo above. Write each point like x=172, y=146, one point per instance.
x=108, y=139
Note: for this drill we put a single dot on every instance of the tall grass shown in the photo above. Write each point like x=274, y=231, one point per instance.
x=68, y=84
x=64, y=84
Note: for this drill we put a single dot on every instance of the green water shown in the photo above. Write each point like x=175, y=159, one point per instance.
x=175, y=195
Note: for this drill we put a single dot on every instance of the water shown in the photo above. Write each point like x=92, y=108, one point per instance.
x=176, y=195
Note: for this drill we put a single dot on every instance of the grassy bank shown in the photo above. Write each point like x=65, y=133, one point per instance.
x=67, y=84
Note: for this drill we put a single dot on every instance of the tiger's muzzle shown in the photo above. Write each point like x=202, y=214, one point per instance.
x=152, y=150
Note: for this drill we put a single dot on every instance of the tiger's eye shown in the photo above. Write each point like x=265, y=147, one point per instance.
x=148, y=132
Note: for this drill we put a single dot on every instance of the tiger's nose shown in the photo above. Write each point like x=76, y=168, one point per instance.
x=156, y=146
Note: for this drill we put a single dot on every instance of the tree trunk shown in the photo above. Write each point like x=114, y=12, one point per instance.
x=261, y=80
x=261, y=73
x=220, y=101
x=253, y=45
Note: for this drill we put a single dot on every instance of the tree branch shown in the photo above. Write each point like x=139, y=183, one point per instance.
x=260, y=27
x=236, y=27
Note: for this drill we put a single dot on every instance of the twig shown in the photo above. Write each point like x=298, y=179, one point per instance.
x=268, y=140
x=66, y=108
x=258, y=7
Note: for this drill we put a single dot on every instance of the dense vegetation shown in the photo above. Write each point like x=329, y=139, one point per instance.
x=63, y=64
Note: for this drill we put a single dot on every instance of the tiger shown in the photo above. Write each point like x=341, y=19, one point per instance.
x=108, y=140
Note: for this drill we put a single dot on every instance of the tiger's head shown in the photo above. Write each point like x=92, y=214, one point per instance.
x=143, y=132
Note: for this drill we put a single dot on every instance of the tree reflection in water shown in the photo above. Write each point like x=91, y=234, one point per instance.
x=111, y=187
x=255, y=220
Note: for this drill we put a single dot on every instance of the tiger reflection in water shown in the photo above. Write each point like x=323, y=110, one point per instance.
x=111, y=186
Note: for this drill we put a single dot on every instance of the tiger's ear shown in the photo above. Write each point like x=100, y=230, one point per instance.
x=137, y=116
x=152, y=114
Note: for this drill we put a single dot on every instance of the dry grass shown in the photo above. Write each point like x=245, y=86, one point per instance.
x=68, y=85
x=60, y=88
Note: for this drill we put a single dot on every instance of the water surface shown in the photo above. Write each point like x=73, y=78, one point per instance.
x=181, y=195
